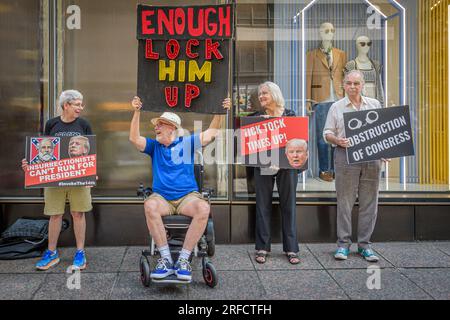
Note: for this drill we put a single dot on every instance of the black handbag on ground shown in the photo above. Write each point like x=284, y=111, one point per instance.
x=26, y=238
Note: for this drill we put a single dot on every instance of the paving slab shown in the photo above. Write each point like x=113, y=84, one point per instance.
x=19, y=266
x=129, y=287
x=20, y=286
x=324, y=252
x=232, y=285
x=277, y=260
x=131, y=259
x=435, y=282
x=228, y=258
x=409, y=270
x=300, y=285
x=442, y=246
x=93, y=286
x=413, y=255
x=99, y=259
x=392, y=285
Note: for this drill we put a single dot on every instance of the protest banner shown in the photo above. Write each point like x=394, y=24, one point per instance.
x=61, y=161
x=274, y=142
x=184, y=57
x=378, y=133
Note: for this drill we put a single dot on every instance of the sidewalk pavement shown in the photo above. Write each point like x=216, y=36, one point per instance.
x=409, y=270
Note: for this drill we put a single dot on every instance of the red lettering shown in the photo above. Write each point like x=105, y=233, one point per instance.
x=171, y=94
x=225, y=21
x=180, y=20
x=211, y=47
x=172, y=49
x=166, y=21
x=191, y=92
x=210, y=28
x=149, y=54
x=189, y=44
x=195, y=32
x=146, y=24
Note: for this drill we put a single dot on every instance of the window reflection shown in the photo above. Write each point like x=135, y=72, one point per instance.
x=20, y=89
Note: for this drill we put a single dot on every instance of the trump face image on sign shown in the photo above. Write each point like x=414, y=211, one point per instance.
x=297, y=152
x=78, y=146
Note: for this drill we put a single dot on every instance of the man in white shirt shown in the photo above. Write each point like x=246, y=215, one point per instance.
x=353, y=180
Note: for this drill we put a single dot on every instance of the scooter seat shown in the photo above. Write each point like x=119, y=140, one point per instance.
x=177, y=219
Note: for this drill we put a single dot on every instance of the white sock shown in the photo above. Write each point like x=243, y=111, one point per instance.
x=164, y=251
x=185, y=254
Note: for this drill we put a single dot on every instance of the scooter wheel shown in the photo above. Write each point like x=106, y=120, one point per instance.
x=210, y=275
x=145, y=271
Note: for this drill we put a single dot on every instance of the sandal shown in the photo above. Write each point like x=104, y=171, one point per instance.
x=293, y=258
x=261, y=257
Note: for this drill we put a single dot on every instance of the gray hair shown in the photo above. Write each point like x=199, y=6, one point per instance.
x=275, y=91
x=68, y=96
x=296, y=143
x=355, y=72
x=45, y=139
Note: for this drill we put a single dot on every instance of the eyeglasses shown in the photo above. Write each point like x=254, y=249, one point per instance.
x=363, y=44
x=356, y=83
x=78, y=105
x=327, y=31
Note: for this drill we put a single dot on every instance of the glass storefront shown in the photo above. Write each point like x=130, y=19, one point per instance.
x=22, y=87
x=91, y=46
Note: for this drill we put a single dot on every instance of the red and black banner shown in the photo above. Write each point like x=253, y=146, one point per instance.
x=274, y=142
x=61, y=161
x=184, y=57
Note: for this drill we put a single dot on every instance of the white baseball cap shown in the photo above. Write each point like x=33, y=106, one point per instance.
x=170, y=117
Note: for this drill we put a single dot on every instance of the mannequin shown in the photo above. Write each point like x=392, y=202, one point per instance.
x=324, y=78
x=370, y=68
x=324, y=68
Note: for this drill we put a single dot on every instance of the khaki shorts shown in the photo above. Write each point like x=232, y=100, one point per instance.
x=175, y=206
x=55, y=200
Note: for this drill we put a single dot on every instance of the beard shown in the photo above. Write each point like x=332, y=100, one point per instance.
x=45, y=156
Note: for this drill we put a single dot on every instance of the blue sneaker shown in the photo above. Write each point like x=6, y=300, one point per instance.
x=79, y=260
x=183, y=270
x=48, y=260
x=341, y=253
x=368, y=254
x=163, y=269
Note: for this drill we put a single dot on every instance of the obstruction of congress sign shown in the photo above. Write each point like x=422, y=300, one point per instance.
x=378, y=133
x=61, y=162
x=184, y=57
x=274, y=142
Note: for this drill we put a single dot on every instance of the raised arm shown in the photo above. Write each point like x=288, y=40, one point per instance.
x=208, y=135
x=135, y=136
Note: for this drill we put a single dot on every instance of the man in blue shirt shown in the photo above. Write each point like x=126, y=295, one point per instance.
x=175, y=189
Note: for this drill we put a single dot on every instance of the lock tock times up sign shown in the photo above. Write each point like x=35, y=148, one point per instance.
x=183, y=60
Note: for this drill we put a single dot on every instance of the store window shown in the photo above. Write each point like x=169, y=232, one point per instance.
x=22, y=85
x=95, y=52
x=100, y=60
x=404, y=61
